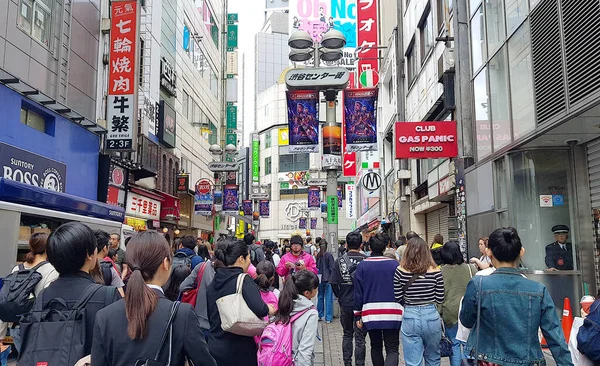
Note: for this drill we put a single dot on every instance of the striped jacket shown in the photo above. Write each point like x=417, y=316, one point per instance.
x=374, y=301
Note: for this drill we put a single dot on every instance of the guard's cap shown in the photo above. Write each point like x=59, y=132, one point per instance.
x=560, y=229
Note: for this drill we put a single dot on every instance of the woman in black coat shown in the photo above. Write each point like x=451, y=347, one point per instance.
x=131, y=330
x=227, y=348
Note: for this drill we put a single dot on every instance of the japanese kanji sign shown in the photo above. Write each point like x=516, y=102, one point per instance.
x=122, y=90
x=317, y=78
x=142, y=207
x=367, y=38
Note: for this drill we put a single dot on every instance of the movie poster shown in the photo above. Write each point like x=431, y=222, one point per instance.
x=303, y=121
x=230, y=199
x=339, y=192
x=302, y=223
x=314, y=198
x=360, y=117
x=247, y=207
x=313, y=224
x=264, y=208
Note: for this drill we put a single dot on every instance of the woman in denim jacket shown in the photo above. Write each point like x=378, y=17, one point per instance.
x=513, y=308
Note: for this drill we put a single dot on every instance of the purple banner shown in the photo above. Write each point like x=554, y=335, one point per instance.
x=360, y=117
x=314, y=197
x=302, y=223
x=313, y=224
x=247, y=207
x=230, y=198
x=303, y=120
x=264, y=208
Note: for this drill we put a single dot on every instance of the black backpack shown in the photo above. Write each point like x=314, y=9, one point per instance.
x=348, y=269
x=105, y=268
x=254, y=255
x=17, y=296
x=55, y=334
x=182, y=259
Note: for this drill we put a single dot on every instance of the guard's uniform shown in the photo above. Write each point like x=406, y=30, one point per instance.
x=561, y=259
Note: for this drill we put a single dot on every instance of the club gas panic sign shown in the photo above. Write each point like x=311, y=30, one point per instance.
x=426, y=140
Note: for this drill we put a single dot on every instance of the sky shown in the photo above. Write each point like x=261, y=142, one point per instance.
x=251, y=19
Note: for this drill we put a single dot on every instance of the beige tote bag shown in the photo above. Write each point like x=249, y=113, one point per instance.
x=236, y=316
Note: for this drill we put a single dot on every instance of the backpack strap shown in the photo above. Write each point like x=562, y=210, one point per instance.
x=42, y=263
x=299, y=314
x=106, y=272
x=110, y=294
x=87, y=295
x=174, y=309
x=200, y=274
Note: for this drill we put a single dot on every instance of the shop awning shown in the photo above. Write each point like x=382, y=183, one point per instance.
x=169, y=209
x=25, y=194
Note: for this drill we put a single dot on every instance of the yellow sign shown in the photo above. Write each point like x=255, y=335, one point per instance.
x=239, y=232
x=137, y=224
x=284, y=136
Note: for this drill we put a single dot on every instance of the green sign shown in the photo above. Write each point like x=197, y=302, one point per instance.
x=232, y=35
x=284, y=185
x=232, y=117
x=232, y=17
x=332, y=209
x=231, y=139
x=230, y=76
x=255, y=158
x=217, y=223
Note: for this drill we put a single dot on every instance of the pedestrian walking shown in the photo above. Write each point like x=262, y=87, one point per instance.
x=295, y=298
x=342, y=284
x=374, y=305
x=436, y=248
x=484, y=261
x=186, y=254
x=456, y=274
x=419, y=285
x=74, y=297
x=505, y=310
x=115, y=243
x=265, y=279
x=178, y=275
x=296, y=259
x=273, y=257
x=197, y=283
x=325, y=264
x=228, y=348
x=106, y=271
x=257, y=253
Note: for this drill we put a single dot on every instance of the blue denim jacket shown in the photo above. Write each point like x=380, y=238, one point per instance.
x=512, y=310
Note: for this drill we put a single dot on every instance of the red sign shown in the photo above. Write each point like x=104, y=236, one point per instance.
x=349, y=168
x=367, y=36
x=203, y=186
x=426, y=140
x=183, y=182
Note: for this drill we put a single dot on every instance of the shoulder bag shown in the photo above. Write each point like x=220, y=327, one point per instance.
x=236, y=316
x=168, y=332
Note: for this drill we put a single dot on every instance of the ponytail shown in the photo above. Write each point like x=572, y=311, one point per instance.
x=265, y=275
x=145, y=254
x=295, y=285
x=37, y=245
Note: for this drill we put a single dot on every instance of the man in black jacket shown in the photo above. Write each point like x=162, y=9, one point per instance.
x=341, y=280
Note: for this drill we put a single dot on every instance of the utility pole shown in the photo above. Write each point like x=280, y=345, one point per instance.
x=330, y=120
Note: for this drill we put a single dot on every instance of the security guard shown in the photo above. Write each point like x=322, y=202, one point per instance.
x=559, y=255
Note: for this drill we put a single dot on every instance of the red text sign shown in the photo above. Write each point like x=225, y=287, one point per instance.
x=367, y=36
x=426, y=140
x=203, y=187
x=349, y=168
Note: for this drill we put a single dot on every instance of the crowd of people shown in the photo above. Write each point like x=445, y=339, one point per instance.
x=83, y=299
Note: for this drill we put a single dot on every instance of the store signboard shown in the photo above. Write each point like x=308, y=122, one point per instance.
x=122, y=80
x=166, y=124
x=426, y=140
x=350, y=201
x=29, y=168
x=231, y=117
x=183, y=182
x=142, y=207
x=255, y=158
x=368, y=43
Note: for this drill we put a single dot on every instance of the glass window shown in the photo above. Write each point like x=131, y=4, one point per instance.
x=293, y=162
x=482, y=120
x=35, y=18
x=426, y=32
x=212, y=139
x=478, y=51
x=541, y=199
x=521, y=81
x=441, y=13
x=498, y=74
x=516, y=11
x=33, y=120
x=496, y=33
x=500, y=188
x=141, y=68
x=268, y=140
x=214, y=83
x=474, y=5
x=411, y=63
x=268, y=165
x=185, y=105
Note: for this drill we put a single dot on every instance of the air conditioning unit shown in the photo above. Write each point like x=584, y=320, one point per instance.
x=445, y=62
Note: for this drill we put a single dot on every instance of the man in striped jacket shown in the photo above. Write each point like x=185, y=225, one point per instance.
x=375, y=308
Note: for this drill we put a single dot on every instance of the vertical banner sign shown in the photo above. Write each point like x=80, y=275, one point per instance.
x=339, y=193
x=302, y=223
x=122, y=80
x=314, y=198
x=349, y=168
x=264, y=208
x=255, y=158
x=247, y=207
x=203, y=198
x=368, y=66
x=318, y=16
x=230, y=199
x=350, y=201
x=313, y=224
x=303, y=121
x=360, y=119
x=231, y=118
x=332, y=209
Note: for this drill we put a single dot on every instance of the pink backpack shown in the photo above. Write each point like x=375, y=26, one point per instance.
x=275, y=345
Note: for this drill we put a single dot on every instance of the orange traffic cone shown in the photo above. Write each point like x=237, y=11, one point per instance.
x=567, y=319
x=543, y=342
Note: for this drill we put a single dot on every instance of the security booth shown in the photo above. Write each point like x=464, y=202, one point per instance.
x=26, y=209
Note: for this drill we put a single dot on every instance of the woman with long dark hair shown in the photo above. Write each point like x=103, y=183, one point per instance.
x=325, y=264
x=235, y=256
x=131, y=330
x=295, y=299
x=178, y=275
x=418, y=283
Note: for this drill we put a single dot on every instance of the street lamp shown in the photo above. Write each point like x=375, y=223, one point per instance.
x=300, y=40
x=230, y=149
x=298, y=55
x=215, y=150
x=303, y=48
x=333, y=38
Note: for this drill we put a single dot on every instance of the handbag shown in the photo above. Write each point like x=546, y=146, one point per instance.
x=236, y=316
x=168, y=332
x=445, y=343
x=190, y=296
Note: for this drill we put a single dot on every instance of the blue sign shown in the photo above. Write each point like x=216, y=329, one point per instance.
x=558, y=200
x=186, y=38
